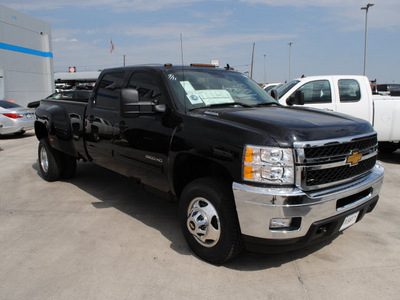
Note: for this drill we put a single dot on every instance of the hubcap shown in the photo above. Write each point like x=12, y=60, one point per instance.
x=44, y=161
x=203, y=222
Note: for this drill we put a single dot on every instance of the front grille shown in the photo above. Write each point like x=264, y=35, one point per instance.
x=324, y=163
x=324, y=176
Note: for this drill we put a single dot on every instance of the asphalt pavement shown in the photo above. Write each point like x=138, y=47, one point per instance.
x=99, y=235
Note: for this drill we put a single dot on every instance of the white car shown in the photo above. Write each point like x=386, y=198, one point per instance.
x=15, y=119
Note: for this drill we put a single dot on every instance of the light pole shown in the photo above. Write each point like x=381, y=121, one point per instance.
x=265, y=76
x=290, y=50
x=366, y=35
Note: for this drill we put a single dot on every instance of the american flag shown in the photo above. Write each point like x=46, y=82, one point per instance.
x=111, y=47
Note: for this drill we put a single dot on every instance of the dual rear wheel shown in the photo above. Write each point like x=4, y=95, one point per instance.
x=54, y=164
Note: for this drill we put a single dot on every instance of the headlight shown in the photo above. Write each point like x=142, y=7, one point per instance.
x=268, y=165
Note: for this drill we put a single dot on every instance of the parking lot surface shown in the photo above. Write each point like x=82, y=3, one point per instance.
x=101, y=236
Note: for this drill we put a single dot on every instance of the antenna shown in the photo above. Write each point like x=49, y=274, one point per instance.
x=183, y=73
x=181, y=50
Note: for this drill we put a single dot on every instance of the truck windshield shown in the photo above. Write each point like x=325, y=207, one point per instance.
x=205, y=88
x=283, y=89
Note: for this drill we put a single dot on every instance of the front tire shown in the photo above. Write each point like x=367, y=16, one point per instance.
x=209, y=220
x=50, y=161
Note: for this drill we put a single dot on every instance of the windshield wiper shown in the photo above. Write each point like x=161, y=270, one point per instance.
x=268, y=104
x=222, y=105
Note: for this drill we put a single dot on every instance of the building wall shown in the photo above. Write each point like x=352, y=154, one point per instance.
x=26, y=58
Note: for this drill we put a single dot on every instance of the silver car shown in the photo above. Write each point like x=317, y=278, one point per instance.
x=15, y=119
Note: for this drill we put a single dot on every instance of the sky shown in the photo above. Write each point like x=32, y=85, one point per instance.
x=327, y=36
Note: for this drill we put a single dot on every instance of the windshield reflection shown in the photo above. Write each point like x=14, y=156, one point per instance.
x=205, y=88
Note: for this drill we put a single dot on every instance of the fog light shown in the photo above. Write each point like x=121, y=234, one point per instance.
x=280, y=223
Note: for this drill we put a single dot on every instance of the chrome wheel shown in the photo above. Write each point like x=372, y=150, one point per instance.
x=44, y=160
x=203, y=222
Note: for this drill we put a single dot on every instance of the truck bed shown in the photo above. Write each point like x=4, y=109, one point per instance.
x=65, y=120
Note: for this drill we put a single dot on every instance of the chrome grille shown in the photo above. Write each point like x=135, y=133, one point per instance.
x=321, y=164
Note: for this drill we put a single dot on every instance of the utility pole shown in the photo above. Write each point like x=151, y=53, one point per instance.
x=252, y=62
x=265, y=74
x=290, y=50
x=366, y=35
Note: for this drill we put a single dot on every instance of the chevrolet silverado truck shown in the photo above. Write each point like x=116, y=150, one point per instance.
x=248, y=172
x=349, y=94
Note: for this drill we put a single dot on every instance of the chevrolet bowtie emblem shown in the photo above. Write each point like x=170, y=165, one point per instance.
x=354, y=158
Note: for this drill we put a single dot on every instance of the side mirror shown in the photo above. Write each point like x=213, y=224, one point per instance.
x=274, y=94
x=129, y=102
x=132, y=107
x=296, y=98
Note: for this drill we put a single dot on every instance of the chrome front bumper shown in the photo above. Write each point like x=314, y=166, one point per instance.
x=256, y=206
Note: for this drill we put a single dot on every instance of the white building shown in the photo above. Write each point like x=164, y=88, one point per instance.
x=26, y=58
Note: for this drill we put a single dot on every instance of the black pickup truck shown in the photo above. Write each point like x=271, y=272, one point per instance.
x=247, y=171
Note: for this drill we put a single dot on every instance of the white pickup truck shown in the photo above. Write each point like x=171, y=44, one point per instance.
x=348, y=94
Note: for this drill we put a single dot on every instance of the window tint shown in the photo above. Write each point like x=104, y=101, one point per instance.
x=318, y=91
x=108, y=90
x=349, y=90
x=8, y=104
x=147, y=86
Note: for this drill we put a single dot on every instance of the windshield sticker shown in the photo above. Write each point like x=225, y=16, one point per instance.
x=210, y=97
x=195, y=99
x=188, y=87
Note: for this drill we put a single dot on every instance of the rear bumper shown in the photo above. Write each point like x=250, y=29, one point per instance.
x=256, y=206
x=10, y=127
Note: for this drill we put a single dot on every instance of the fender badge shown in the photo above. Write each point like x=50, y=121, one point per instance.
x=354, y=158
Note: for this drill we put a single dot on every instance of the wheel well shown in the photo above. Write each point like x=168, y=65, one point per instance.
x=40, y=130
x=188, y=168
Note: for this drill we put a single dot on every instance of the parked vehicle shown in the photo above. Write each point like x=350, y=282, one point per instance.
x=348, y=94
x=247, y=171
x=15, y=119
x=71, y=95
x=269, y=86
x=392, y=89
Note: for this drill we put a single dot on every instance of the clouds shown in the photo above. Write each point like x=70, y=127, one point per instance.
x=327, y=34
x=116, y=5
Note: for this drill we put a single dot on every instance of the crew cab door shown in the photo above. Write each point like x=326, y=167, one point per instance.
x=142, y=148
x=317, y=94
x=101, y=117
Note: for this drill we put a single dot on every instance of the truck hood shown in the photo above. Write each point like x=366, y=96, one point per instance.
x=287, y=125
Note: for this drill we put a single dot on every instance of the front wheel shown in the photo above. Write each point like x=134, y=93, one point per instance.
x=209, y=220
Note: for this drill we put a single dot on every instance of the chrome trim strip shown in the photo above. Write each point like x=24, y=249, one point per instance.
x=336, y=164
x=332, y=142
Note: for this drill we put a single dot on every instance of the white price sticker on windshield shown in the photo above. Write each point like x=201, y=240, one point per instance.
x=211, y=97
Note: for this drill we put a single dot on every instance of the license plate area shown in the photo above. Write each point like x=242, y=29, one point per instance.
x=349, y=220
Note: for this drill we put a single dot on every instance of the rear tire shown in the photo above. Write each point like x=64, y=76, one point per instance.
x=209, y=220
x=19, y=133
x=50, y=161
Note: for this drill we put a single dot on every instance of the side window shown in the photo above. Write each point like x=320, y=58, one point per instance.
x=147, y=86
x=349, y=90
x=318, y=91
x=108, y=90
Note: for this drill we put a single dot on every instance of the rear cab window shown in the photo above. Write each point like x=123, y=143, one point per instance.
x=108, y=90
x=349, y=90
